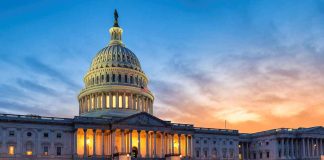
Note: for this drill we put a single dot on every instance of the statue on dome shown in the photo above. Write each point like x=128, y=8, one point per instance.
x=116, y=18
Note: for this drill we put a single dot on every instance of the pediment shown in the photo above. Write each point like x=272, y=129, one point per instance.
x=143, y=119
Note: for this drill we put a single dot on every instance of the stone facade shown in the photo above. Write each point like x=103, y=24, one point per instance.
x=283, y=143
x=116, y=122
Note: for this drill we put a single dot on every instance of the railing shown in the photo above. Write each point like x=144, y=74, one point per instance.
x=182, y=125
x=31, y=116
x=216, y=130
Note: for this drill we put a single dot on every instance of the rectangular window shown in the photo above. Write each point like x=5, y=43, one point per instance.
x=11, y=133
x=197, y=153
x=29, y=153
x=92, y=102
x=45, y=150
x=58, y=151
x=120, y=101
x=11, y=150
x=126, y=101
x=58, y=135
x=46, y=135
x=268, y=154
x=107, y=101
x=114, y=101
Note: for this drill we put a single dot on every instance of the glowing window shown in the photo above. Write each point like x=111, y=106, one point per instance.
x=88, y=104
x=126, y=101
x=107, y=101
x=92, y=102
x=11, y=150
x=29, y=153
x=120, y=101
x=114, y=101
x=45, y=150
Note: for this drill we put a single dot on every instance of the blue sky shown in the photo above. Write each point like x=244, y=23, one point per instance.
x=254, y=63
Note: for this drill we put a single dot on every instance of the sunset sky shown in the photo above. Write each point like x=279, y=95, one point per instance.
x=257, y=64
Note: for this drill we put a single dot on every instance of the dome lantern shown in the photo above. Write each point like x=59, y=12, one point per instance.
x=115, y=32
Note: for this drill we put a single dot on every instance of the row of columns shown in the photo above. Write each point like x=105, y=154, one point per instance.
x=126, y=146
x=114, y=78
x=115, y=100
x=312, y=147
x=290, y=148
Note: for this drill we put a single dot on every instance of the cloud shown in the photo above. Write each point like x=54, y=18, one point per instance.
x=34, y=87
x=237, y=114
x=43, y=69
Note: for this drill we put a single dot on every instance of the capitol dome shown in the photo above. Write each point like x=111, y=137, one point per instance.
x=115, y=85
x=115, y=56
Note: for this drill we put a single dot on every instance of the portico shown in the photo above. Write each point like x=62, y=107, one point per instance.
x=141, y=136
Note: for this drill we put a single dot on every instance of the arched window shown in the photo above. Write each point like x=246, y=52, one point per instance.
x=102, y=78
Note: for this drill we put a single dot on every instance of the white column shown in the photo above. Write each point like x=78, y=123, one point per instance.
x=312, y=147
x=85, y=143
x=162, y=144
x=147, y=144
x=123, y=99
x=172, y=144
x=102, y=143
x=321, y=146
x=154, y=153
x=282, y=148
x=95, y=101
x=123, y=141
x=303, y=147
x=104, y=97
x=317, y=147
x=117, y=100
x=109, y=143
x=186, y=145
x=307, y=147
x=94, y=142
x=166, y=143
x=293, y=148
x=191, y=145
x=130, y=141
x=179, y=143
x=139, y=143
x=130, y=103
x=113, y=133
x=75, y=140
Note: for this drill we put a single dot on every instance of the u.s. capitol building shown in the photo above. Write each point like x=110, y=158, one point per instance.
x=116, y=121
